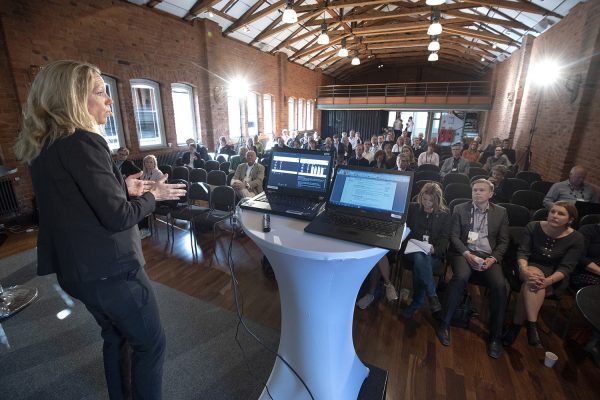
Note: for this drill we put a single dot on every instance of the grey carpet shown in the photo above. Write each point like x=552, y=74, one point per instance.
x=42, y=357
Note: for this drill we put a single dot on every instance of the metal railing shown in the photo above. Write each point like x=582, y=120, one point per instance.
x=422, y=89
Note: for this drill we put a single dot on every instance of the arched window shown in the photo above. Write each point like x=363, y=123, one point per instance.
x=113, y=129
x=268, y=113
x=148, y=112
x=184, y=112
x=291, y=114
x=301, y=120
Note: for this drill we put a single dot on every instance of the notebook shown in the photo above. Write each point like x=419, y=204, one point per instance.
x=297, y=185
x=367, y=206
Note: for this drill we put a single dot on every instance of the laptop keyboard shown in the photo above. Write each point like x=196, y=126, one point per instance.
x=367, y=224
x=288, y=201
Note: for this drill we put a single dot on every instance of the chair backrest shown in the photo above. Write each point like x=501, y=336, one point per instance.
x=199, y=191
x=529, y=176
x=477, y=171
x=418, y=185
x=428, y=167
x=517, y=215
x=211, y=165
x=225, y=166
x=457, y=190
x=222, y=198
x=229, y=178
x=182, y=199
x=427, y=176
x=198, y=175
x=589, y=219
x=540, y=215
x=474, y=178
x=528, y=198
x=458, y=201
x=475, y=164
x=166, y=169
x=455, y=178
x=515, y=184
x=200, y=163
x=216, y=178
x=541, y=186
x=181, y=173
x=221, y=158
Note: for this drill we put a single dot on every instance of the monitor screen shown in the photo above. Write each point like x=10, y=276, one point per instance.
x=308, y=171
x=371, y=190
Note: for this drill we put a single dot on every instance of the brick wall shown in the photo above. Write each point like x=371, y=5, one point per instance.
x=128, y=41
x=567, y=124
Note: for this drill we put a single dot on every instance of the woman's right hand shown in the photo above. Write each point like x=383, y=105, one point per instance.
x=167, y=191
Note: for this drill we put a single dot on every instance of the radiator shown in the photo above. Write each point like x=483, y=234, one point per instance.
x=8, y=200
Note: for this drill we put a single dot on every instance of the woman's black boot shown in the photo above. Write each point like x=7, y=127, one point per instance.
x=532, y=334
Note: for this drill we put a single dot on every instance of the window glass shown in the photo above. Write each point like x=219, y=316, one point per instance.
x=147, y=112
x=310, y=114
x=113, y=130
x=234, y=116
x=301, y=119
x=268, y=114
x=184, y=111
x=252, y=105
x=291, y=114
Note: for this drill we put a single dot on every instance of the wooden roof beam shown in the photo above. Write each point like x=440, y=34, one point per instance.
x=199, y=7
x=268, y=32
x=488, y=20
x=514, y=5
x=239, y=23
x=480, y=35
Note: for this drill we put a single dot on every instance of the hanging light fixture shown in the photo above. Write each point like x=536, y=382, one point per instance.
x=434, y=2
x=289, y=15
x=323, y=38
x=356, y=60
x=434, y=45
x=482, y=59
x=433, y=57
x=434, y=29
x=343, y=50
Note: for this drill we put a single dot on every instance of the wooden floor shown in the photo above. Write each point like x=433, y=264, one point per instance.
x=419, y=366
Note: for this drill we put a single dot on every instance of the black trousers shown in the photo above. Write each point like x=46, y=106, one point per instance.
x=134, y=340
x=492, y=278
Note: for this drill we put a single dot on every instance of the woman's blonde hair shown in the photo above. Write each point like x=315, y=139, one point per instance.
x=150, y=157
x=434, y=190
x=56, y=106
x=412, y=154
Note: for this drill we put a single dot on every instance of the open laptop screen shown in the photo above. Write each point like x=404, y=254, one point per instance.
x=308, y=171
x=372, y=190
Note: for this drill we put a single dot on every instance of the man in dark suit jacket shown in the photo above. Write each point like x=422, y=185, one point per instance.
x=456, y=163
x=126, y=167
x=88, y=231
x=192, y=158
x=358, y=158
x=479, y=238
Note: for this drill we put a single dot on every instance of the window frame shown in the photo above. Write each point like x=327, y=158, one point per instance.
x=134, y=83
x=310, y=115
x=252, y=131
x=271, y=114
x=291, y=113
x=190, y=89
x=113, y=93
x=301, y=109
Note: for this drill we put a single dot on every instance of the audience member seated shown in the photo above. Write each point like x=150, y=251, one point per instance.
x=236, y=160
x=403, y=163
x=429, y=222
x=588, y=270
x=508, y=152
x=248, y=178
x=472, y=152
x=125, y=166
x=279, y=143
x=479, y=238
x=259, y=146
x=367, y=153
x=418, y=147
x=327, y=144
x=250, y=145
x=374, y=144
x=202, y=150
x=407, y=152
x=429, y=156
x=380, y=141
x=390, y=158
x=456, y=163
x=313, y=145
x=381, y=270
x=378, y=160
x=502, y=190
x=489, y=151
x=497, y=159
x=192, y=158
x=353, y=138
x=573, y=189
x=548, y=253
x=296, y=144
x=398, y=145
x=358, y=158
x=223, y=147
x=347, y=146
x=149, y=173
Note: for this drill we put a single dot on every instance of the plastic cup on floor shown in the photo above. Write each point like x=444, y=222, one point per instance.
x=550, y=359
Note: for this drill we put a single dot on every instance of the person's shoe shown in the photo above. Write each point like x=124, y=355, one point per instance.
x=365, y=301
x=144, y=233
x=495, y=348
x=390, y=292
x=443, y=333
x=511, y=334
x=434, y=304
x=533, y=336
x=409, y=311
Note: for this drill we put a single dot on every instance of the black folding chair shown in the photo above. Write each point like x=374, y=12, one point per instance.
x=166, y=169
x=224, y=166
x=428, y=167
x=216, y=178
x=458, y=201
x=456, y=191
x=589, y=219
x=529, y=176
x=477, y=171
x=514, y=184
x=540, y=215
x=528, y=198
x=197, y=175
x=455, y=178
x=211, y=165
x=427, y=176
x=517, y=215
x=541, y=186
x=182, y=173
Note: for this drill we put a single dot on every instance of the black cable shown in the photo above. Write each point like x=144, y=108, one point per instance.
x=240, y=317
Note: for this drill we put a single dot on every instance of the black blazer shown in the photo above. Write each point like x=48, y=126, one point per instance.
x=88, y=226
x=439, y=225
x=497, y=229
x=185, y=159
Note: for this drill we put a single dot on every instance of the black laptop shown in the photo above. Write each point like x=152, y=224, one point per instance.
x=297, y=185
x=367, y=206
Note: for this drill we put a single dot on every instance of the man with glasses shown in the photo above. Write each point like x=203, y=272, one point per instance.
x=126, y=167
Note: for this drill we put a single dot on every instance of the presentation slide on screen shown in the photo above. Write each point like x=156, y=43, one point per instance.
x=362, y=192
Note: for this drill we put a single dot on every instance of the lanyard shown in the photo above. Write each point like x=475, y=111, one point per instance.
x=573, y=190
x=483, y=218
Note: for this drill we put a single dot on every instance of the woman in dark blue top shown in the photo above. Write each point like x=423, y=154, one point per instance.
x=429, y=222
